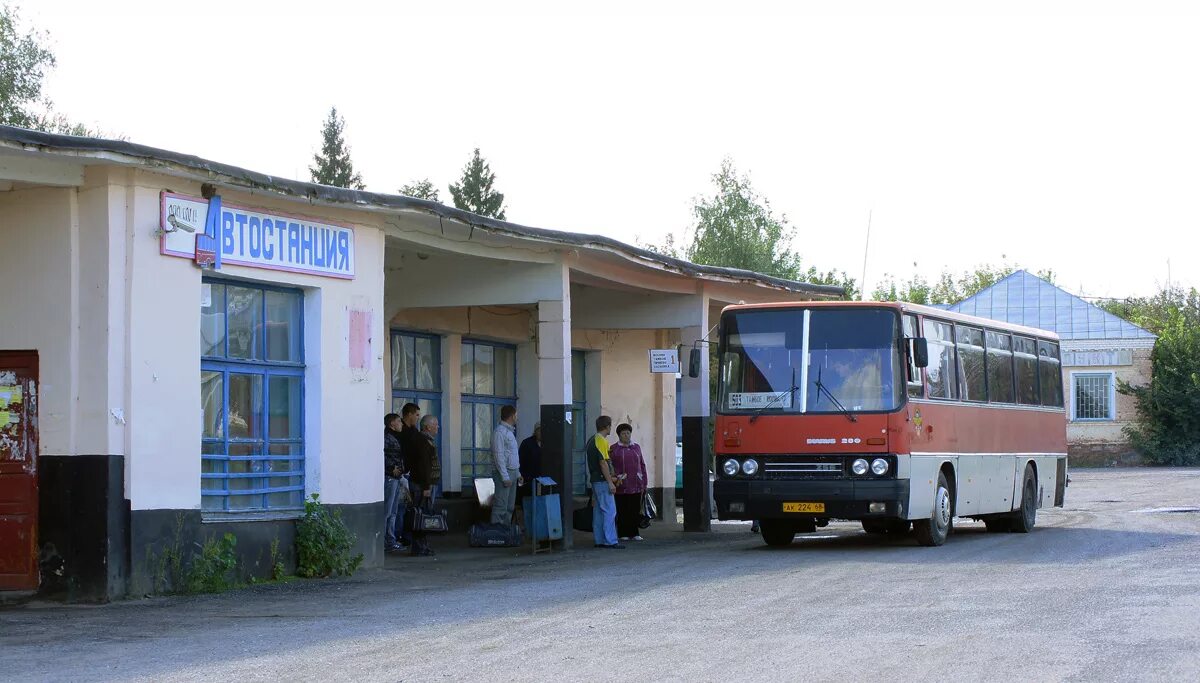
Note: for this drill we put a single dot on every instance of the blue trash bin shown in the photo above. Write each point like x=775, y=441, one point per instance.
x=543, y=512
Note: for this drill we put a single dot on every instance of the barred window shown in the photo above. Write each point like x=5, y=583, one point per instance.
x=1093, y=396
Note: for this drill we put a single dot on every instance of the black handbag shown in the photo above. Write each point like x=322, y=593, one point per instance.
x=425, y=520
x=649, y=511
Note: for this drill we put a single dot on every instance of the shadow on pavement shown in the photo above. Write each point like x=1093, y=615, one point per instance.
x=973, y=544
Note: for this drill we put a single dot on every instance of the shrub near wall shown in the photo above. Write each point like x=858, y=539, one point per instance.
x=323, y=543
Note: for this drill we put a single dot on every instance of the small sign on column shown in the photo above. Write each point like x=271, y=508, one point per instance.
x=664, y=360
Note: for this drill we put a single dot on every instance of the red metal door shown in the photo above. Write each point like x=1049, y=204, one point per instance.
x=18, y=470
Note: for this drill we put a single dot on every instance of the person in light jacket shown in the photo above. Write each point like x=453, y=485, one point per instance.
x=630, y=469
x=506, y=466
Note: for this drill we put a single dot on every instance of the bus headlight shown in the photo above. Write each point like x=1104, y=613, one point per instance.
x=860, y=466
x=879, y=466
x=731, y=467
x=750, y=467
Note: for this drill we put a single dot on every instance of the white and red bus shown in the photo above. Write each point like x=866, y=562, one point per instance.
x=894, y=414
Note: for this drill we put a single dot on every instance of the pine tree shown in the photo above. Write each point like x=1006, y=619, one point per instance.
x=474, y=192
x=421, y=189
x=332, y=165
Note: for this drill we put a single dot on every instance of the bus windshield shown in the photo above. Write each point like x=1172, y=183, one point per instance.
x=854, y=353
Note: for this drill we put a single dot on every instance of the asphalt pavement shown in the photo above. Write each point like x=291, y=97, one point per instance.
x=1106, y=589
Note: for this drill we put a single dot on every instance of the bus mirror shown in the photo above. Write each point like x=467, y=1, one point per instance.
x=694, y=363
x=920, y=352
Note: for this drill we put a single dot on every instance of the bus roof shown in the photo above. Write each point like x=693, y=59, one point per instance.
x=926, y=311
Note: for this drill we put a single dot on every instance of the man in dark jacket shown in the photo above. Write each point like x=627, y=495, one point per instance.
x=424, y=475
x=530, y=455
x=393, y=471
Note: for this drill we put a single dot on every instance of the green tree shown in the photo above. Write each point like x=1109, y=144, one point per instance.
x=735, y=227
x=475, y=191
x=332, y=166
x=24, y=63
x=421, y=189
x=1154, y=312
x=1167, y=427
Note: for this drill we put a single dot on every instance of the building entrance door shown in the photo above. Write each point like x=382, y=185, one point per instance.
x=18, y=470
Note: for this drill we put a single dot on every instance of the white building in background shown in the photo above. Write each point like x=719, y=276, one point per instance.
x=174, y=402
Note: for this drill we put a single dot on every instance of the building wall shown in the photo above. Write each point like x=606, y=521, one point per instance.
x=630, y=393
x=619, y=382
x=117, y=328
x=39, y=231
x=1103, y=442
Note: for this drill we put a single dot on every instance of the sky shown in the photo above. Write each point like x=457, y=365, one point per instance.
x=1049, y=135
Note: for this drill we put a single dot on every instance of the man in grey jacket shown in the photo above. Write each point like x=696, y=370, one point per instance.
x=506, y=466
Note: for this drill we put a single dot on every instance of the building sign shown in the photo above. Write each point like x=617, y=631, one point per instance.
x=1097, y=358
x=253, y=238
x=664, y=360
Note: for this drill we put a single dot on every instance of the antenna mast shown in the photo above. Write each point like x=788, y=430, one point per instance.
x=866, y=249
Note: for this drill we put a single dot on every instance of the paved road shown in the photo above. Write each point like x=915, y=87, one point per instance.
x=1102, y=590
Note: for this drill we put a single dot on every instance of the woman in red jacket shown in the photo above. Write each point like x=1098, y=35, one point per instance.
x=630, y=470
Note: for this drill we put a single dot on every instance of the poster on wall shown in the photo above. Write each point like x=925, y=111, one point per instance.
x=257, y=238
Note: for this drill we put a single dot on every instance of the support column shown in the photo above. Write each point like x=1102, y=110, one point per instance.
x=697, y=501
x=554, y=392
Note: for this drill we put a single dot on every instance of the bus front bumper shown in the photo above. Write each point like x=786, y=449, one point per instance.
x=842, y=498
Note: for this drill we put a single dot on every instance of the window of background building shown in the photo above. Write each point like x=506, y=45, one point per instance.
x=417, y=375
x=489, y=381
x=252, y=398
x=1093, y=396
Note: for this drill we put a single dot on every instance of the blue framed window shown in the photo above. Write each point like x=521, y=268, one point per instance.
x=252, y=397
x=417, y=374
x=579, y=423
x=489, y=381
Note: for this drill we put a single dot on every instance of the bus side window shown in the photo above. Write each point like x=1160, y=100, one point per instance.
x=943, y=382
x=1050, y=374
x=916, y=384
x=1025, y=356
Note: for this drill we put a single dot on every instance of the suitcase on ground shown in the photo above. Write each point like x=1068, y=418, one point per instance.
x=494, y=536
x=581, y=519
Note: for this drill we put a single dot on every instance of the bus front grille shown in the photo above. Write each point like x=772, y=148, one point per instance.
x=803, y=468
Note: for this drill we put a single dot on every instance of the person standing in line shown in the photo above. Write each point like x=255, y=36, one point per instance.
x=410, y=442
x=530, y=455
x=422, y=469
x=393, y=469
x=506, y=466
x=604, y=485
x=630, y=469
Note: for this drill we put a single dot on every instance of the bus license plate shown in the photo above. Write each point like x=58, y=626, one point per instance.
x=804, y=507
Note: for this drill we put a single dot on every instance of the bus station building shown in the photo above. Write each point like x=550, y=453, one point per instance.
x=189, y=348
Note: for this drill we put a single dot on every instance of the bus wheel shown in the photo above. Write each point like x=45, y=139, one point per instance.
x=1022, y=520
x=933, y=531
x=998, y=524
x=777, y=532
